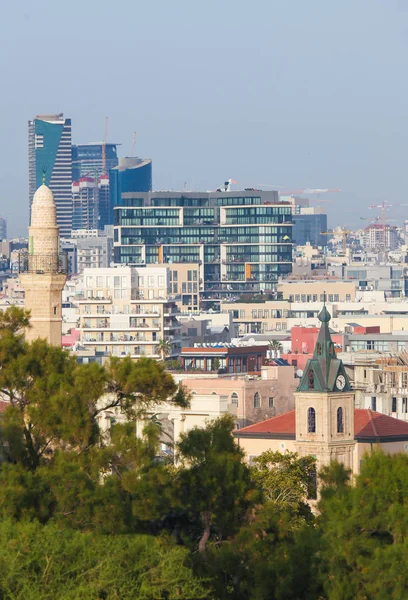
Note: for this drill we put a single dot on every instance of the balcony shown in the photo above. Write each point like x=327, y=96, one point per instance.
x=43, y=263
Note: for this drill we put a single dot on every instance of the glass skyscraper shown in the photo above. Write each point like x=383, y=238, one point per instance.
x=131, y=175
x=50, y=158
x=87, y=160
x=242, y=241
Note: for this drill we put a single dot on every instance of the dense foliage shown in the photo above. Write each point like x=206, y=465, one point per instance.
x=89, y=511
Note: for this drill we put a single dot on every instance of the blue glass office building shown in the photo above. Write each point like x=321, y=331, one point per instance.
x=309, y=228
x=131, y=175
x=242, y=241
x=50, y=156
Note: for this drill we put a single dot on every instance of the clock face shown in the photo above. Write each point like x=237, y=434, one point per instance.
x=341, y=382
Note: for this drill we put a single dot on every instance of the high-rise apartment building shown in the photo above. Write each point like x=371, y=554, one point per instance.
x=242, y=241
x=87, y=159
x=85, y=209
x=50, y=157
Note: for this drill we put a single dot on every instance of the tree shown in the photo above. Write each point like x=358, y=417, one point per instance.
x=216, y=364
x=214, y=484
x=164, y=347
x=274, y=346
x=286, y=480
x=363, y=530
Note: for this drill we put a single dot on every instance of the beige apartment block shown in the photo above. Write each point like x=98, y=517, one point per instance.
x=313, y=291
x=125, y=312
x=185, y=283
x=44, y=279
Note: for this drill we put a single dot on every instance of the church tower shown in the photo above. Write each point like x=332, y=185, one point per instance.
x=45, y=276
x=325, y=405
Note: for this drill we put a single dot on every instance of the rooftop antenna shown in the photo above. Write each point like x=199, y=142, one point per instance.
x=133, y=143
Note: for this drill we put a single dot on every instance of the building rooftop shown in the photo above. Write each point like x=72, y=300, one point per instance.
x=369, y=426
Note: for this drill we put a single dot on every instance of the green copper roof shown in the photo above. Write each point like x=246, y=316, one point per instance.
x=324, y=372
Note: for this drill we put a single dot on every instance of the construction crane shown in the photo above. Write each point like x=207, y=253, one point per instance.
x=104, y=147
x=133, y=143
x=343, y=232
x=226, y=187
x=309, y=191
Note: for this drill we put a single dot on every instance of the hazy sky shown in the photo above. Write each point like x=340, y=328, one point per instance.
x=300, y=93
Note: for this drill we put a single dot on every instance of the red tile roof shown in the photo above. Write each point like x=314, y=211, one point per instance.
x=367, y=425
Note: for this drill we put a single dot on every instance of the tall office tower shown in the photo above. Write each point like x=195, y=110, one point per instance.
x=3, y=229
x=50, y=153
x=87, y=159
x=131, y=175
x=85, y=209
x=45, y=273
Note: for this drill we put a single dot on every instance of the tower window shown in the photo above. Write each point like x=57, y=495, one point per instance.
x=270, y=401
x=373, y=403
x=310, y=380
x=319, y=349
x=311, y=420
x=340, y=420
x=257, y=400
x=394, y=405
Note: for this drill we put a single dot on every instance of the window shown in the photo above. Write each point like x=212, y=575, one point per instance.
x=116, y=281
x=336, y=297
x=99, y=282
x=161, y=280
x=150, y=281
x=404, y=380
x=140, y=281
x=373, y=403
x=257, y=400
x=340, y=421
x=348, y=297
x=311, y=420
x=124, y=282
x=89, y=282
x=242, y=314
x=394, y=405
x=234, y=398
x=314, y=297
x=405, y=405
x=365, y=373
x=270, y=401
x=310, y=380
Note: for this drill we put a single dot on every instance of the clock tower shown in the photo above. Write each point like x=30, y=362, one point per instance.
x=325, y=405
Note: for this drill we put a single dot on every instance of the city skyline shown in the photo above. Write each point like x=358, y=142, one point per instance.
x=301, y=95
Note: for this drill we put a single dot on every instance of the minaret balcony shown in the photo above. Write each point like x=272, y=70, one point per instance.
x=43, y=263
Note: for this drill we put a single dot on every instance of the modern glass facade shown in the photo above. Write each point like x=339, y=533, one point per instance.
x=131, y=175
x=87, y=160
x=50, y=156
x=309, y=228
x=242, y=241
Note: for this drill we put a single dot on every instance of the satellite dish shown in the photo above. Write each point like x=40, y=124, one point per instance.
x=299, y=373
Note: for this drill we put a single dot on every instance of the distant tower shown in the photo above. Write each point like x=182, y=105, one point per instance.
x=325, y=405
x=45, y=276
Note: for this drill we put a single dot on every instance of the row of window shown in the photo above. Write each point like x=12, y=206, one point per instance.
x=317, y=298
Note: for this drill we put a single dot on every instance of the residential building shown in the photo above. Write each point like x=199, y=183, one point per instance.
x=313, y=291
x=94, y=252
x=255, y=397
x=241, y=240
x=226, y=358
x=381, y=237
x=85, y=204
x=87, y=159
x=126, y=312
x=50, y=161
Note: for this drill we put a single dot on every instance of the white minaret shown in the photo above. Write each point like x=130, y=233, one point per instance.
x=45, y=278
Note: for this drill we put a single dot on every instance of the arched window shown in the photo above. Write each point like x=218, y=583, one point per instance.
x=310, y=380
x=257, y=400
x=319, y=348
x=340, y=420
x=234, y=398
x=311, y=420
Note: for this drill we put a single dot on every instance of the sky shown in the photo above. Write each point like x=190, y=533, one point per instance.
x=296, y=93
